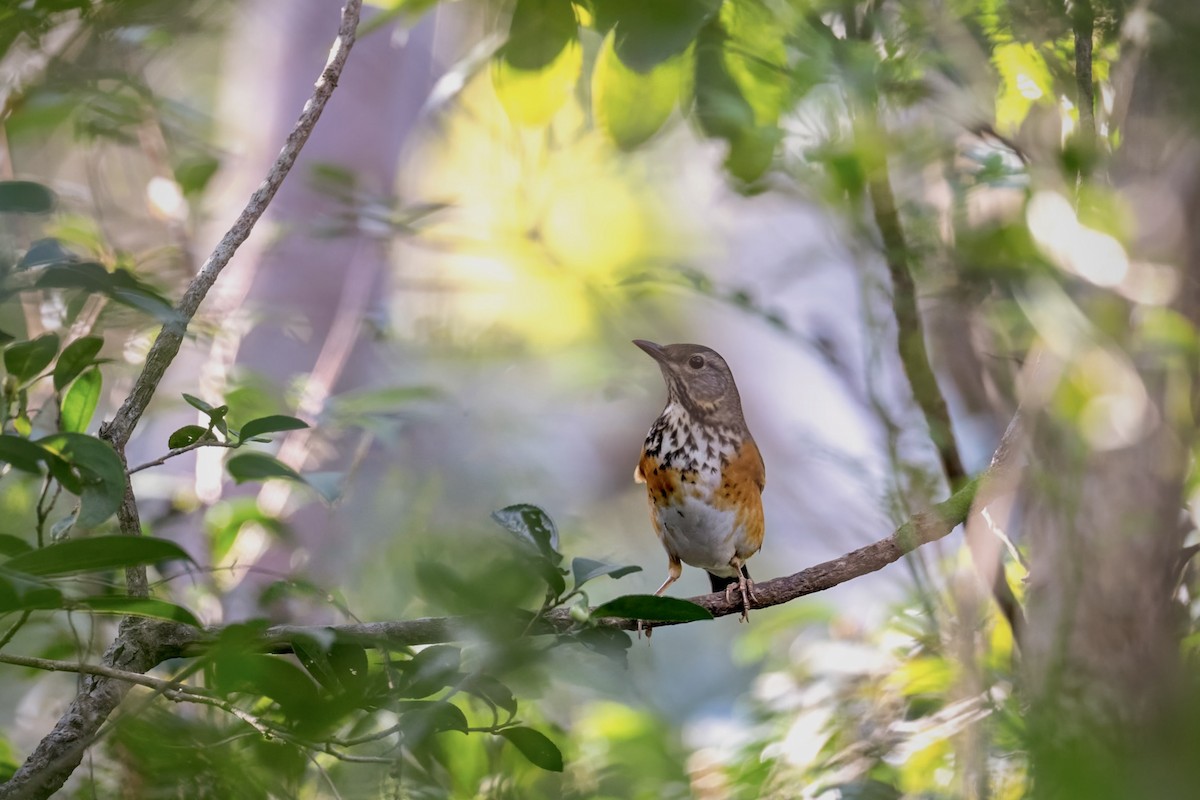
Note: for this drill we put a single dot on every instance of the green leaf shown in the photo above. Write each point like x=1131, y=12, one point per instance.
x=23, y=592
x=430, y=670
x=584, y=569
x=25, y=197
x=188, y=434
x=86, y=275
x=272, y=424
x=79, y=403
x=535, y=746
x=259, y=467
x=139, y=607
x=43, y=252
x=268, y=676
x=491, y=691
x=651, y=608
x=420, y=718
x=649, y=33
x=631, y=106
x=22, y=453
x=76, y=357
x=13, y=545
x=193, y=174
x=532, y=526
x=198, y=404
x=25, y=360
x=101, y=475
x=96, y=553
x=536, y=70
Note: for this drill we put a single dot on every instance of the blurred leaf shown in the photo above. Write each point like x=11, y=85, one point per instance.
x=76, y=357
x=1024, y=80
x=101, y=485
x=371, y=402
x=139, y=607
x=187, y=435
x=649, y=33
x=535, y=746
x=651, y=608
x=608, y=642
x=584, y=569
x=198, y=404
x=43, y=252
x=266, y=676
x=631, y=106
x=259, y=467
x=25, y=360
x=79, y=403
x=330, y=485
x=13, y=545
x=349, y=663
x=867, y=789
x=272, y=424
x=431, y=670
x=492, y=691
x=86, y=275
x=23, y=592
x=94, y=554
x=25, y=197
x=536, y=70
x=532, y=526
x=22, y=453
x=419, y=718
x=193, y=174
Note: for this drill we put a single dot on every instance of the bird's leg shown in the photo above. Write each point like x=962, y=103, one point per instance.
x=674, y=570
x=745, y=587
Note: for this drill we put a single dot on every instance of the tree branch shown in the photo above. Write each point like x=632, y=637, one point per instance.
x=924, y=527
x=140, y=644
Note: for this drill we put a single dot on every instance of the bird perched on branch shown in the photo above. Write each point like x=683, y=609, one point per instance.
x=703, y=473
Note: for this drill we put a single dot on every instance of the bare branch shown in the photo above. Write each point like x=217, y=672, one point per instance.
x=178, y=451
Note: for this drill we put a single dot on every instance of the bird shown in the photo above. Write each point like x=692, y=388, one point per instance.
x=703, y=472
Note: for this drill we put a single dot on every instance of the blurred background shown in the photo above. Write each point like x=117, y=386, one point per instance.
x=500, y=197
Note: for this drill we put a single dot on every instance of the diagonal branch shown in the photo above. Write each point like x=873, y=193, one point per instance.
x=139, y=644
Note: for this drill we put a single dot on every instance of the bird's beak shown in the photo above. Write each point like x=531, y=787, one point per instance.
x=653, y=350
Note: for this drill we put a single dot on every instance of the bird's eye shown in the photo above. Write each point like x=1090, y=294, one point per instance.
x=696, y=362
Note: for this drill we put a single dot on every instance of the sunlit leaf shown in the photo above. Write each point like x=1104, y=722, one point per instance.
x=535, y=746
x=25, y=360
x=651, y=608
x=76, y=357
x=536, y=70
x=79, y=403
x=96, y=553
x=631, y=106
x=138, y=607
x=584, y=569
x=272, y=424
x=1024, y=80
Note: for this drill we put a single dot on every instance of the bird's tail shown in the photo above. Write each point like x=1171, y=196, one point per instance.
x=720, y=583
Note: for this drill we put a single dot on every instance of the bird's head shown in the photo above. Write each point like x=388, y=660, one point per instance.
x=697, y=378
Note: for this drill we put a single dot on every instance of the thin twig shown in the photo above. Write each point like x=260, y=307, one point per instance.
x=178, y=451
x=16, y=626
x=54, y=665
